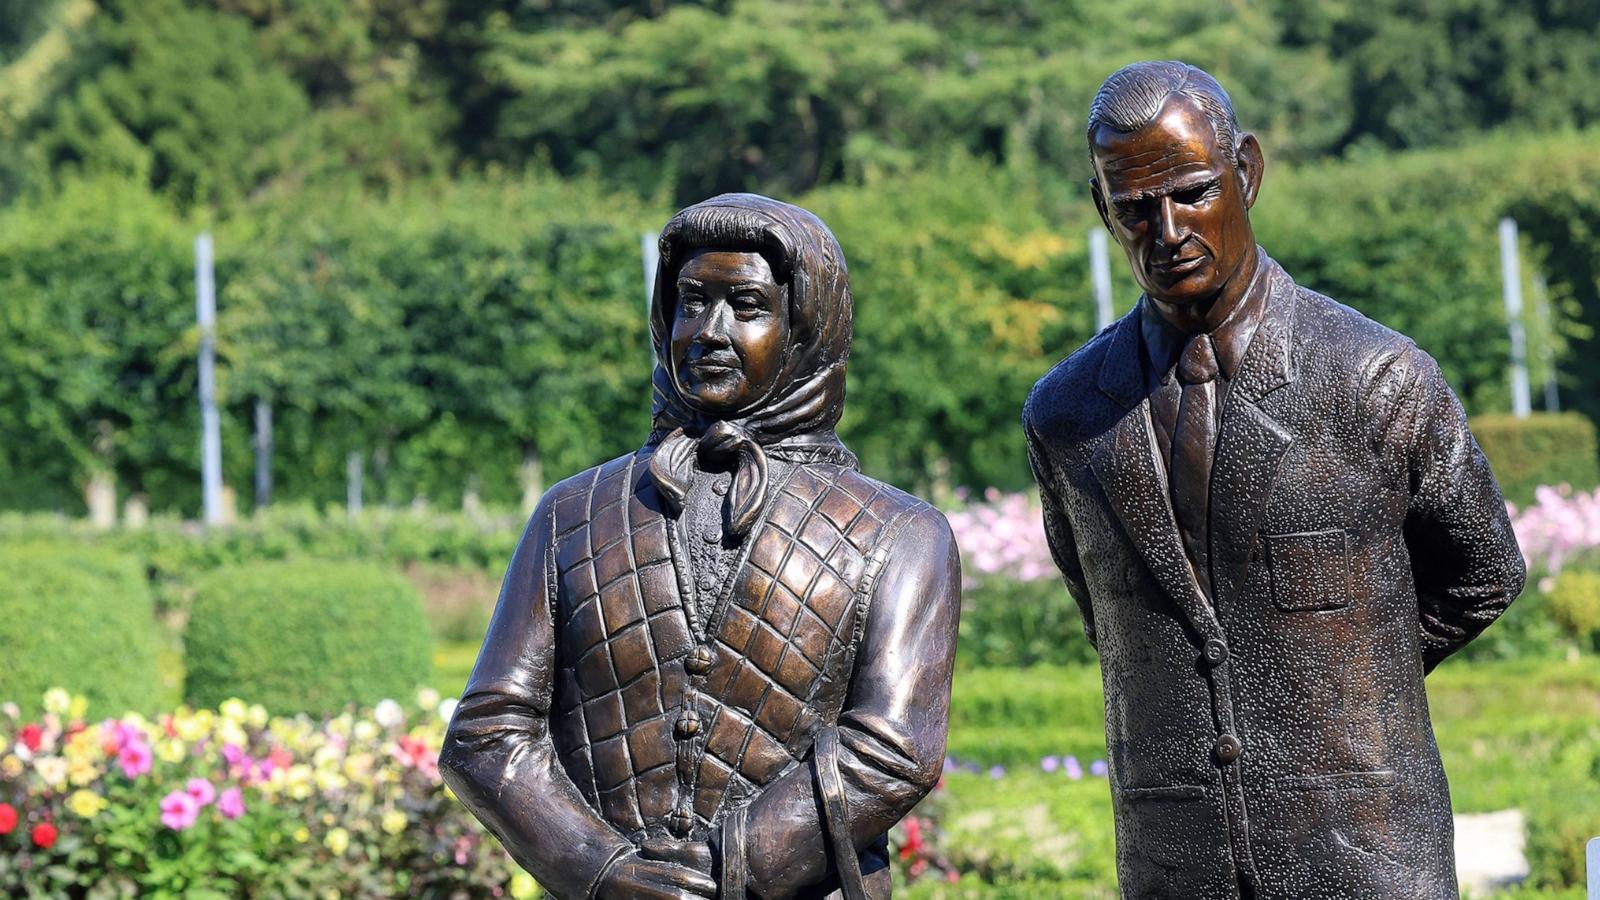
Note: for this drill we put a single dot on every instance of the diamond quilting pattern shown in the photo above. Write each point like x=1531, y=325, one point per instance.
x=782, y=637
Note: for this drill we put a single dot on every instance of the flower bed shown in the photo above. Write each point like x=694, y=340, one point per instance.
x=232, y=803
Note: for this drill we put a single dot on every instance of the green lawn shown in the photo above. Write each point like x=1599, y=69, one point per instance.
x=1513, y=734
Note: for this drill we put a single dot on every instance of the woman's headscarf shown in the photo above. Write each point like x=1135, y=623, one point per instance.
x=796, y=419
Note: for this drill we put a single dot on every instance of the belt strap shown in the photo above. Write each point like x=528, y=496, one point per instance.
x=836, y=815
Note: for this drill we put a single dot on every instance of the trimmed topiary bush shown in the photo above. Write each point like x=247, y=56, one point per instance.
x=79, y=618
x=305, y=637
x=1544, y=448
x=1575, y=604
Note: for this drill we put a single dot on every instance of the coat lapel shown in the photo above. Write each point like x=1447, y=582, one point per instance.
x=1134, y=481
x=1252, y=443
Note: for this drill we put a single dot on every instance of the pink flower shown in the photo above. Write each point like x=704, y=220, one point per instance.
x=201, y=790
x=179, y=810
x=135, y=758
x=231, y=804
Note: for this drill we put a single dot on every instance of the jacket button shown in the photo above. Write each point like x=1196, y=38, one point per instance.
x=688, y=725
x=1228, y=749
x=699, y=660
x=1216, y=651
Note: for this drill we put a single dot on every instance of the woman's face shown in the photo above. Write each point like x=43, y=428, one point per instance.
x=730, y=331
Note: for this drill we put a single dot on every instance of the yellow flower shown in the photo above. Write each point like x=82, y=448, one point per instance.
x=87, y=804
x=81, y=772
x=57, y=700
x=234, y=710
x=78, y=708
x=192, y=726
x=329, y=780
x=11, y=766
x=172, y=750
x=231, y=732
x=523, y=887
x=257, y=716
x=338, y=840
x=297, y=783
x=366, y=730
x=302, y=834
x=394, y=821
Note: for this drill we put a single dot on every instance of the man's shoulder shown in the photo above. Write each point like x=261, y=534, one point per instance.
x=1055, y=400
x=1344, y=331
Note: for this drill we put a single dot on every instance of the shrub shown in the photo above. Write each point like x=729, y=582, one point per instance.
x=304, y=637
x=1575, y=604
x=1006, y=622
x=1544, y=448
x=78, y=617
x=1559, y=826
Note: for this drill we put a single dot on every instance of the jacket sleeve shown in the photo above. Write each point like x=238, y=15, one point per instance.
x=498, y=757
x=891, y=733
x=1058, y=530
x=1464, y=556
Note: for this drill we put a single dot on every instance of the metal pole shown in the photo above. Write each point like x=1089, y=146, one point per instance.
x=1592, y=856
x=650, y=251
x=1100, y=273
x=352, y=487
x=1547, y=350
x=210, y=426
x=263, y=453
x=1511, y=283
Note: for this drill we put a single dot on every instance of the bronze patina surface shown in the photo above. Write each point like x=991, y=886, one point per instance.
x=1275, y=521
x=720, y=665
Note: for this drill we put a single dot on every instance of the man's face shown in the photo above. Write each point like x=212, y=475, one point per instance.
x=1179, y=209
x=729, y=332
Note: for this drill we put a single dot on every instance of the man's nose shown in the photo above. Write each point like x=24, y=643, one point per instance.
x=1167, y=225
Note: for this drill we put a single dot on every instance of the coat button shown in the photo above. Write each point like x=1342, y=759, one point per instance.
x=720, y=486
x=1216, y=651
x=688, y=724
x=1228, y=749
x=710, y=535
x=707, y=582
x=699, y=660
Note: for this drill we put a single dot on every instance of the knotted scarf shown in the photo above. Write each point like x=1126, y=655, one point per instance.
x=795, y=420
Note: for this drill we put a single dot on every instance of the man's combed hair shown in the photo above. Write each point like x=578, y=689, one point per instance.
x=1133, y=96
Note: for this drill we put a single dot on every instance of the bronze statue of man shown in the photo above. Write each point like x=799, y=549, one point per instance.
x=1275, y=522
x=720, y=665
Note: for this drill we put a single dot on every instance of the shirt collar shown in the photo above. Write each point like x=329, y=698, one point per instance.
x=1163, y=343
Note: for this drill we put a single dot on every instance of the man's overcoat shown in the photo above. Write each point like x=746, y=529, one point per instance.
x=1273, y=740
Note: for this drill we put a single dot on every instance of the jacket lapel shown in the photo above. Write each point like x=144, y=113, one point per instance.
x=1134, y=481
x=1252, y=443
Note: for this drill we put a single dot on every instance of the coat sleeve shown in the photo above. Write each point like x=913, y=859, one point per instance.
x=498, y=757
x=891, y=732
x=1058, y=529
x=1464, y=556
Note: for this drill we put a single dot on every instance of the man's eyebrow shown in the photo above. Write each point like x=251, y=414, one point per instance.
x=749, y=286
x=692, y=282
x=1177, y=185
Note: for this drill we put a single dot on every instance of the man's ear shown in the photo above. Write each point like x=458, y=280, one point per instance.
x=1100, y=202
x=1251, y=164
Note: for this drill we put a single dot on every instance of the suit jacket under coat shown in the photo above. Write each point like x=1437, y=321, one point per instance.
x=1357, y=539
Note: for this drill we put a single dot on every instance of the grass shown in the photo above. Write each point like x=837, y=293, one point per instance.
x=1520, y=734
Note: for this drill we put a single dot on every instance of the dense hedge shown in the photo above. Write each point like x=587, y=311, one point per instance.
x=461, y=335
x=78, y=618
x=305, y=637
x=1543, y=449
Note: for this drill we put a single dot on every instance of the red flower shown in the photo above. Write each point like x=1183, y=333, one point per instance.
x=8, y=818
x=44, y=835
x=32, y=736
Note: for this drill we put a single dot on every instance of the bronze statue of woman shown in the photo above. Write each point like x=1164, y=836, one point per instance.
x=720, y=665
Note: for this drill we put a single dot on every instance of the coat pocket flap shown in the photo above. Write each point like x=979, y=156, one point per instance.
x=1338, y=781
x=1310, y=570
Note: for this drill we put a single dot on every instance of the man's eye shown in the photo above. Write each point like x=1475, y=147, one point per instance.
x=1194, y=195
x=691, y=303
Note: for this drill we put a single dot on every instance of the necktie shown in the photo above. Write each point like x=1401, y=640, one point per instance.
x=1194, y=437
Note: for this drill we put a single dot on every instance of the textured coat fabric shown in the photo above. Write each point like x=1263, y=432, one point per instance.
x=1271, y=739
x=785, y=716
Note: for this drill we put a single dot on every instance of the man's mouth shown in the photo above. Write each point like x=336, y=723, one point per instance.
x=1174, y=268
